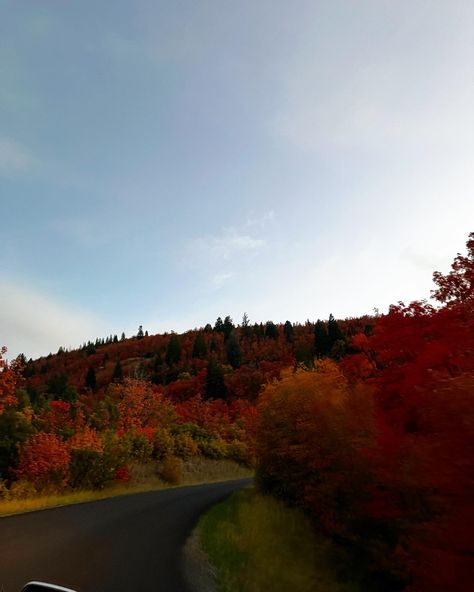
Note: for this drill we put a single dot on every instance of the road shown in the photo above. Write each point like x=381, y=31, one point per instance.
x=124, y=544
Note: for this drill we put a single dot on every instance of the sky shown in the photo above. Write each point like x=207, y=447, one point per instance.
x=166, y=162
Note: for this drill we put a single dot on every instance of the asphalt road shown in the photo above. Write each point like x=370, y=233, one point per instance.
x=123, y=544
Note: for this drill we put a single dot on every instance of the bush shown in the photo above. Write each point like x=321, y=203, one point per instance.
x=4, y=491
x=163, y=444
x=90, y=469
x=137, y=446
x=239, y=451
x=22, y=489
x=213, y=448
x=171, y=470
x=44, y=461
x=185, y=447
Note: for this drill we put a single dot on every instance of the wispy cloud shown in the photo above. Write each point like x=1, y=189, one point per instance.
x=222, y=278
x=222, y=247
x=14, y=159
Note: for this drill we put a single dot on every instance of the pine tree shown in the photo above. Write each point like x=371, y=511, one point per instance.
x=215, y=385
x=117, y=376
x=91, y=380
x=218, y=327
x=271, y=330
x=233, y=350
x=199, y=346
x=173, y=351
x=321, y=341
x=122, y=338
x=334, y=331
x=140, y=332
x=288, y=332
x=227, y=327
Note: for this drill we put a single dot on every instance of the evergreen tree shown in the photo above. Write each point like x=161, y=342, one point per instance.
x=334, y=331
x=173, y=351
x=140, y=332
x=288, y=332
x=321, y=341
x=271, y=330
x=115, y=339
x=219, y=326
x=146, y=333
x=215, y=385
x=117, y=376
x=246, y=328
x=258, y=331
x=199, y=346
x=233, y=350
x=122, y=338
x=208, y=328
x=227, y=327
x=91, y=380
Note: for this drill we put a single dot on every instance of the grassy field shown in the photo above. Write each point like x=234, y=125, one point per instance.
x=144, y=478
x=256, y=544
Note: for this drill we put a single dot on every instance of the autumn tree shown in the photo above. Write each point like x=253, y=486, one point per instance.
x=457, y=286
x=9, y=378
x=44, y=460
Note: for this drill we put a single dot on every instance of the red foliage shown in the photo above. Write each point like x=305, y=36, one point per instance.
x=44, y=460
x=9, y=379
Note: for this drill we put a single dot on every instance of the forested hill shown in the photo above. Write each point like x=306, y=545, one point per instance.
x=224, y=361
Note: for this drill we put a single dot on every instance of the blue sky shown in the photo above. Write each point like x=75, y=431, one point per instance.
x=166, y=162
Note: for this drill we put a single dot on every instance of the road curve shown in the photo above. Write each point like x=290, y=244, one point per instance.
x=123, y=544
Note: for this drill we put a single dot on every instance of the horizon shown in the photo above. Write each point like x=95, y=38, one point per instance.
x=165, y=164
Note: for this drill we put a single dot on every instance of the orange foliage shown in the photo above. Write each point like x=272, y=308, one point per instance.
x=9, y=378
x=44, y=460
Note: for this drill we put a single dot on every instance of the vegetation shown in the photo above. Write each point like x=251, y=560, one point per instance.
x=257, y=543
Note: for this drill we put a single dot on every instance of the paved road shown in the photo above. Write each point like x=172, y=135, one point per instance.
x=123, y=544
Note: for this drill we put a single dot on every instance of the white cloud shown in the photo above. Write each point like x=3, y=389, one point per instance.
x=14, y=159
x=35, y=324
x=213, y=250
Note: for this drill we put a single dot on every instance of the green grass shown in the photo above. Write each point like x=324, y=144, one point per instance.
x=257, y=544
x=195, y=472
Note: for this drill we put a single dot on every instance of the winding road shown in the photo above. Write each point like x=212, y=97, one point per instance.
x=124, y=544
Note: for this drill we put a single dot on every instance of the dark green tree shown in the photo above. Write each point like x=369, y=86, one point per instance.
x=288, y=332
x=215, y=385
x=14, y=430
x=334, y=331
x=321, y=341
x=122, y=337
x=199, y=346
x=227, y=327
x=271, y=330
x=91, y=380
x=173, y=351
x=58, y=387
x=117, y=375
x=219, y=325
x=233, y=350
x=140, y=332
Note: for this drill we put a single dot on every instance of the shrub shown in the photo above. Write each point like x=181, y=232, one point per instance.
x=213, y=448
x=22, y=489
x=163, y=444
x=171, y=470
x=44, y=460
x=185, y=447
x=137, y=446
x=90, y=469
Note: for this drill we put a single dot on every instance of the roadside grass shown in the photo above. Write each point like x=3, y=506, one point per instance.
x=256, y=543
x=143, y=478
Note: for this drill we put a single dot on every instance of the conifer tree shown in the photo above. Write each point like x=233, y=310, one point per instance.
x=233, y=350
x=173, y=351
x=91, y=380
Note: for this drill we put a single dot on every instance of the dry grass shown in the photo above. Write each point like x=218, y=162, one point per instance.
x=143, y=478
x=257, y=544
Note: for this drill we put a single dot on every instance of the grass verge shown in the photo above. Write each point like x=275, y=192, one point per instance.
x=144, y=479
x=257, y=544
